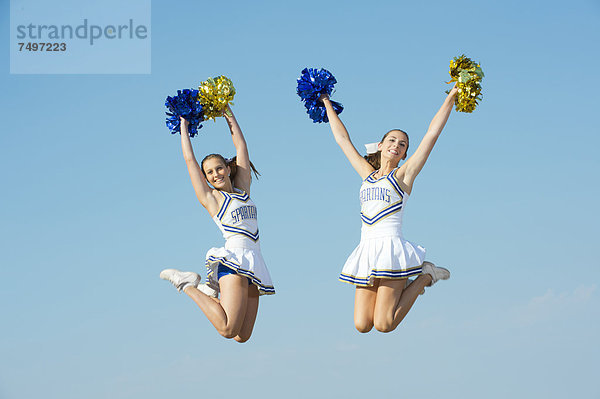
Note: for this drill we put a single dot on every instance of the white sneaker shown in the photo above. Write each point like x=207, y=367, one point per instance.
x=204, y=288
x=180, y=279
x=436, y=273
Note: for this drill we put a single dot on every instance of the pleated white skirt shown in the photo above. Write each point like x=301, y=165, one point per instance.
x=389, y=257
x=245, y=260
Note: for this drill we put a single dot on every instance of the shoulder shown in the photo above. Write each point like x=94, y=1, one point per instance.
x=367, y=171
x=399, y=176
x=370, y=178
x=214, y=202
x=242, y=185
x=238, y=191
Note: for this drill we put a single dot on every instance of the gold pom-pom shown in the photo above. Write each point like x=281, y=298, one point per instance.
x=215, y=94
x=467, y=74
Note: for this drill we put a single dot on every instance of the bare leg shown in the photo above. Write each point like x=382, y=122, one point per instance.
x=251, y=311
x=364, y=307
x=394, y=301
x=226, y=315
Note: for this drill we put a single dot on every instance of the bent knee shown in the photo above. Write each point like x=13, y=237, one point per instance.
x=384, y=326
x=363, y=326
x=241, y=339
x=228, y=333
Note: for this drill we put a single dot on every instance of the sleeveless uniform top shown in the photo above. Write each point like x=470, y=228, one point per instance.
x=237, y=220
x=382, y=251
x=381, y=206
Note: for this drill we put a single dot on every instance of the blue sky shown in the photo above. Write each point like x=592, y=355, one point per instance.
x=96, y=201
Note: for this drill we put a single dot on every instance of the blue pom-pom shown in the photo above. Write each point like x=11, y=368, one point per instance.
x=317, y=112
x=311, y=84
x=314, y=82
x=185, y=105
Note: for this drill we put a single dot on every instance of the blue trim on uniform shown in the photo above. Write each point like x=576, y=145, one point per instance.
x=228, y=197
x=382, y=214
x=224, y=205
x=395, y=207
x=391, y=274
x=229, y=228
x=268, y=289
x=242, y=197
x=232, y=229
x=371, y=179
x=395, y=184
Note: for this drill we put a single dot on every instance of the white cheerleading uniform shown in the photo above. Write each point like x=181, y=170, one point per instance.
x=237, y=221
x=382, y=251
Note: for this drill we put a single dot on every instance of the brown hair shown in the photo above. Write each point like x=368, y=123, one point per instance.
x=228, y=162
x=375, y=158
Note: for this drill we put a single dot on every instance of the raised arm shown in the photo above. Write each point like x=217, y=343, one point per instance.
x=243, y=176
x=342, y=138
x=413, y=165
x=204, y=193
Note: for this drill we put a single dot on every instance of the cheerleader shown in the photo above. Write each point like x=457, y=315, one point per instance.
x=383, y=262
x=237, y=274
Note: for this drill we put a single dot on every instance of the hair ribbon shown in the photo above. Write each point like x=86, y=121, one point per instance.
x=371, y=148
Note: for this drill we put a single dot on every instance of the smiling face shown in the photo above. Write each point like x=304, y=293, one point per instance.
x=393, y=146
x=216, y=172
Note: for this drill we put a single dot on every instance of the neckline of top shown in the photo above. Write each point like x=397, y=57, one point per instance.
x=371, y=176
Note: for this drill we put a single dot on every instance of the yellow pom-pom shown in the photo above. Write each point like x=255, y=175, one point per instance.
x=467, y=74
x=215, y=94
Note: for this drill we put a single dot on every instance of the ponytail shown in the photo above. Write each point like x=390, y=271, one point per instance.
x=374, y=159
x=232, y=163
